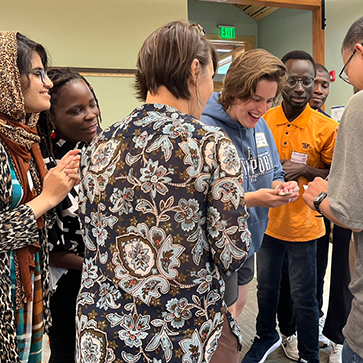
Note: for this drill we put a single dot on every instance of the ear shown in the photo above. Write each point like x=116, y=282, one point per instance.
x=359, y=48
x=195, y=69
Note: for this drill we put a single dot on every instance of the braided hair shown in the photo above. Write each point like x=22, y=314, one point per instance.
x=45, y=126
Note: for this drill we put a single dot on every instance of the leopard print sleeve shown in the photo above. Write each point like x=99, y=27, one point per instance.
x=18, y=227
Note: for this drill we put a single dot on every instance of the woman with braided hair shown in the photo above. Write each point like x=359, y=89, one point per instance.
x=71, y=123
x=26, y=194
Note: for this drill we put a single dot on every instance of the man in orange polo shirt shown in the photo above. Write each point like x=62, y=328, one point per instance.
x=305, y=141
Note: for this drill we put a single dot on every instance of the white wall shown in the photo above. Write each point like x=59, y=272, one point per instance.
x=340, y=15
x=94, y=33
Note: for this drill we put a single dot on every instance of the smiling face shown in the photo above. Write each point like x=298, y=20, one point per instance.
x=298, y=96
x=321, y=91
x=247, y=113
x=76, y=113
x=35, y=92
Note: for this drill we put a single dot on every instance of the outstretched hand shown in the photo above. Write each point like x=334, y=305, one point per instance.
x=271, y=198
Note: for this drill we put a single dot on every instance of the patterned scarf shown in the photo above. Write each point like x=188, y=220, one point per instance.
x=21, y=144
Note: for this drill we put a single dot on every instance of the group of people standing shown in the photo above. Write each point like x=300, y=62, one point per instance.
x=140, y=241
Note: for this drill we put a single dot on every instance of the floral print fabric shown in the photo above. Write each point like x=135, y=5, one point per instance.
x=162, y=203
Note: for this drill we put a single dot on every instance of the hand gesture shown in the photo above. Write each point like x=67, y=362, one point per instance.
x=271, y=198
x=57, y=184
x=291, y=188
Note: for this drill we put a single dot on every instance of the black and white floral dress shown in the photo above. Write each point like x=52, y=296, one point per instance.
x=162, y=203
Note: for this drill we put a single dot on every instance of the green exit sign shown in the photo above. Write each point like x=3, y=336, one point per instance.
x=227, y=32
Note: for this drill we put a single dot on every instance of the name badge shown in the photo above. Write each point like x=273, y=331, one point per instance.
x=261, y=139
x=299, y=157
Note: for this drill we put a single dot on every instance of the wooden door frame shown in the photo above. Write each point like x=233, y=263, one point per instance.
x=314, y=5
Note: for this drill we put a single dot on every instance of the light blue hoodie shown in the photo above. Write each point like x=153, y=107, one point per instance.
x=259, y=158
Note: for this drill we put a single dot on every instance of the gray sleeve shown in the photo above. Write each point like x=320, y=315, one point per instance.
x=345, y=187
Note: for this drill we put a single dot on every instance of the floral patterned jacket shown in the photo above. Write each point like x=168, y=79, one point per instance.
x=162, y=203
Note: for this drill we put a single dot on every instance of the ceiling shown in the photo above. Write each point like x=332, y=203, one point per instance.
x=257, y=12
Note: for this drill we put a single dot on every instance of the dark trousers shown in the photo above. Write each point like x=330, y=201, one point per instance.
x=302, y=276
x=62, y=334
x=340, y=297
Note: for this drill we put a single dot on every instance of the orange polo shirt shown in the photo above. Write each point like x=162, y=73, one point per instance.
x=309, y=139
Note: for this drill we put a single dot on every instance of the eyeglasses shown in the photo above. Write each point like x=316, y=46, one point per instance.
x=40, y=73
x=305, y=81
x=343, y=76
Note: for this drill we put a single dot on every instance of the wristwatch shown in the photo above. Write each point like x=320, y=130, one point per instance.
x=318, y=199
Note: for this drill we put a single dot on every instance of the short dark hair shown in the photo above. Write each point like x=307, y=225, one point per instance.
x=166, y=56
x=26, y=48
x=299, y=54
x=354, y=35
x=246, y=70
x=321, y=68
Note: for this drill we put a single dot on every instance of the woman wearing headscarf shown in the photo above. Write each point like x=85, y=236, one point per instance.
x=26, y=194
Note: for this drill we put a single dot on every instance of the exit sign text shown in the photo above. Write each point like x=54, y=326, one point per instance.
x=227, y=32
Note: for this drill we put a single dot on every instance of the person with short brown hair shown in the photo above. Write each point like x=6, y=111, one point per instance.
x=244, y=73
x=165, y=58
x=253, y=81
x=163, y=211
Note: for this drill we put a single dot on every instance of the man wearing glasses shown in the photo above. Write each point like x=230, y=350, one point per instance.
x=340, y=297
x=305, y=141
x=343, y=193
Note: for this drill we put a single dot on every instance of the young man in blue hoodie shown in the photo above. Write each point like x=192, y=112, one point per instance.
x=305, y=140
x=251, y=84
